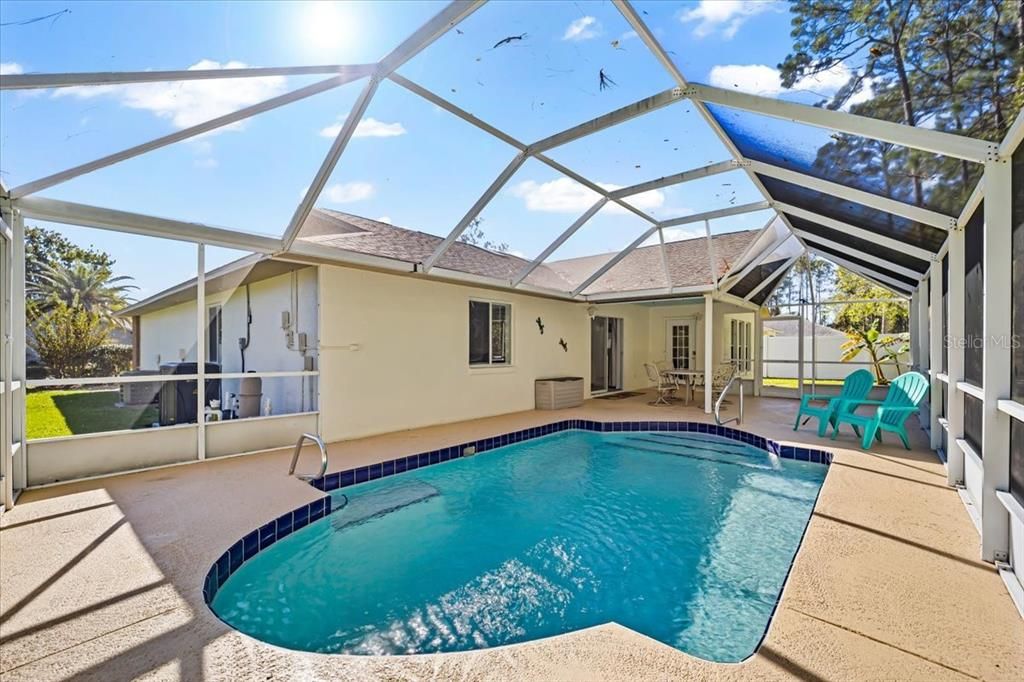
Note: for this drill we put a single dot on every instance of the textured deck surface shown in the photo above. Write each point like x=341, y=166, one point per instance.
x=103, y=579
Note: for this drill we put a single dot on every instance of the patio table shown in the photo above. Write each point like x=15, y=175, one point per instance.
x=690, y=375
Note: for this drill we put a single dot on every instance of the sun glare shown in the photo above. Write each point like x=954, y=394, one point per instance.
x=327, y=27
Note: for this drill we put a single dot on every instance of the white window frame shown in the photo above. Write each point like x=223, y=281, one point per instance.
x=220, y=334
x=490, y=334
x=741, y=344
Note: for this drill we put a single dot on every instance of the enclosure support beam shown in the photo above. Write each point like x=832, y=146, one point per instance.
x=330, y=161
x=899, y=208
x=758, y=353
x=84, y=215
x=18, y=374
x=717, y=213
x=890, y=283
x=615, y=196
x=561, y=239
x=933, y=141
x=221, y=121
x=417, y=89
x=630, y=14
x=923, y=329
x=425, y=35
x=615, y=260
x=935, y=352
x=955, y=359
x=786, y=266
x=996, y=358
x=696, y=218
x=880, y=239
x=731, y=280
x=664, y=258
x=6, y=393
x=475, y=210
x=867, y=257
x=30, y=81
x=709, y=349
x=677, y=178
x=751, y=249
x=712, y=260
x=612, y=118
x=201, y=350
x=593, y=186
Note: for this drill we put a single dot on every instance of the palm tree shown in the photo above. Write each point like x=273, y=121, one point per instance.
x=83, y=285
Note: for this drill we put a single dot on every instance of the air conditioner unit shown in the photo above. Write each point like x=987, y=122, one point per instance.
x=143, y=392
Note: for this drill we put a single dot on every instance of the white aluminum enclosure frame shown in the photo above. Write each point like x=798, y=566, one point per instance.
x=21, y=202
x=917, y=138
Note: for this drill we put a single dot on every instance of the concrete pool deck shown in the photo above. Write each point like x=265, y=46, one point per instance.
x=102, y=579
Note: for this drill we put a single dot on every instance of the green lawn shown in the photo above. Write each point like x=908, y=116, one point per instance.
x=65, y=413
x=778, y=382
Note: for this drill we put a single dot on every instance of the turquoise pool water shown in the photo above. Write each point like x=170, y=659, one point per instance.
x=684, y=537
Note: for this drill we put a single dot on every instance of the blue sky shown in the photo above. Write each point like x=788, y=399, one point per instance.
x=411, y=163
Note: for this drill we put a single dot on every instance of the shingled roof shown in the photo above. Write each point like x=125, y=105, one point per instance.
x=688, y=263
x=642, y=269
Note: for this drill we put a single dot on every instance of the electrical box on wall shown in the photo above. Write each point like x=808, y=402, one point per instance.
x=307, y=364
x=286, y=319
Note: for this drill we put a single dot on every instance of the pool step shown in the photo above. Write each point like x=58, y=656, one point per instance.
x=693, y=453
x=367, y=506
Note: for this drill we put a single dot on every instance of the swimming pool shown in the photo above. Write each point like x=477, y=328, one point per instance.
x=684, y=537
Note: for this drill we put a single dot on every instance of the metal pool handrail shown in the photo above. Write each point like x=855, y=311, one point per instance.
x=718, y=403
x=323, y=457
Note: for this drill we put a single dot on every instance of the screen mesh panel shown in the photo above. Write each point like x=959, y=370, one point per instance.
x=945, y=314
x=1017, y=459
x=974, y=242
x=858, y=215
x=870, y=267
x=763, y=295
x=858, y=244
x=973, y=409
x=888, y=170
x=755, y=277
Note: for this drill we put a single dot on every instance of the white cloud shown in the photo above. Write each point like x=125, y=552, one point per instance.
x=565, y=195
x=11, y=69
x=208, y=162
x=385, y=219
x=347, y=192
x=726, y=16
x=368, y=127
x=761, y=79
x=675, y=234
x=583, y=28
x=186, y=103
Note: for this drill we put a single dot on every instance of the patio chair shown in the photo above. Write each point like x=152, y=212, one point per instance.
x=856, y=387
x=666, y=387
x=905, y=394
x=723, y=373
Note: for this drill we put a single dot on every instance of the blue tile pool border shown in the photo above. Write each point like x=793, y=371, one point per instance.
x=286, y=524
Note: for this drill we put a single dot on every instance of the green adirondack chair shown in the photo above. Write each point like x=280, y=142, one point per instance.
x=905, y=394
x=855, y=388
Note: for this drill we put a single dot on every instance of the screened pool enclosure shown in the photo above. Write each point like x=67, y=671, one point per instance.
x=810, y=177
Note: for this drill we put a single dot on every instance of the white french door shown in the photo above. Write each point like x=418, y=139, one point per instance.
x=681, y=343
x=605, y=354
x=12, y=392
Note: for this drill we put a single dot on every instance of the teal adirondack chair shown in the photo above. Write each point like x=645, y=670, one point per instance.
x=905, y=394
x=855, y=388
